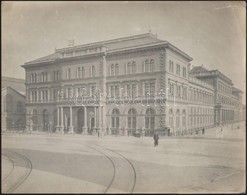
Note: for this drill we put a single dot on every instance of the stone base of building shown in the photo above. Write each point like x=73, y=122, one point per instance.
x=71, y=130
x=84, y=131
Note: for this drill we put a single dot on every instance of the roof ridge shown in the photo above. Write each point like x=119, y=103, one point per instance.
x=17, y=91
x=110, y=41
x=12, y=78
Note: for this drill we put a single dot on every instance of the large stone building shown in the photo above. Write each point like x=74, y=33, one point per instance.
x=123, y=85
x=13, y=112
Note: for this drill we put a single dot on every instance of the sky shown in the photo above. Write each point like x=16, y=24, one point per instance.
x=212, y=33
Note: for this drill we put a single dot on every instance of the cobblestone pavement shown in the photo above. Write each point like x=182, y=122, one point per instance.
x=76, y=163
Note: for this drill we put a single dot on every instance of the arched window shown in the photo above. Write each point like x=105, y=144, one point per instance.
x=69, y=73
x=133, y=67
x=132, y=119
x=80, y=72
x=93, y=71
x=117, y=91
x=19, y=107
x=115, y=119
x=184, y=119
x=113, y=69
x=83, y=71
x=152, y=65
x=177, y=118
x=31, y=78
x=45, y=77
x=147, y=66
x=129, y=67
x=171, y=118
x=150, y=119
x=9, y=103
x=116, y=69
x=35, y=77
x=42, y=77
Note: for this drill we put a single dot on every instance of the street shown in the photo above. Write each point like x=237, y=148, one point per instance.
x=55, y=163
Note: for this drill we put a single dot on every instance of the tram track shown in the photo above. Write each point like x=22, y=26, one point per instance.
x=108, y=153
x=114, y=181
x=22, y=168
x=12, y=167
x=114, y=167
x=129, y=162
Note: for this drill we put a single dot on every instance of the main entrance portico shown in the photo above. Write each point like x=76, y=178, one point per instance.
x=79, y=119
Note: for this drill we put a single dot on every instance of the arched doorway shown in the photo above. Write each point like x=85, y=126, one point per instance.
x=45, y=120
x=54, y=120
x=80, y=120
x=91, y=122
x=131, y=120
x=19, y=124
x=35, y=120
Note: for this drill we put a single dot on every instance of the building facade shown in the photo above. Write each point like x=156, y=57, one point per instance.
x=12, y=110
x=120, y=86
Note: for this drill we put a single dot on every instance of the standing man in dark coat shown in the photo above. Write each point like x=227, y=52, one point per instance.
x=156, y=138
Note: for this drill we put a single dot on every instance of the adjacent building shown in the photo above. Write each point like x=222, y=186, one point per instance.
x=137, y=83
x=13, y=110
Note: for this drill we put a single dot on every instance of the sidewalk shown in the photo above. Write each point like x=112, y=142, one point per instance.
x=230, y=132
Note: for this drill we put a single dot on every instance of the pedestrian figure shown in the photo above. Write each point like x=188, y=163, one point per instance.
x=156, y=138
x=203, y=130
x=98, y=133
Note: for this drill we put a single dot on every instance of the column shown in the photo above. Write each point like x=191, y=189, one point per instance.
x=71, y=127
x=99, y=124
x=95, y=119
x=62, y=124
x=85, y=120
x=58, y=122
x=31, y=121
